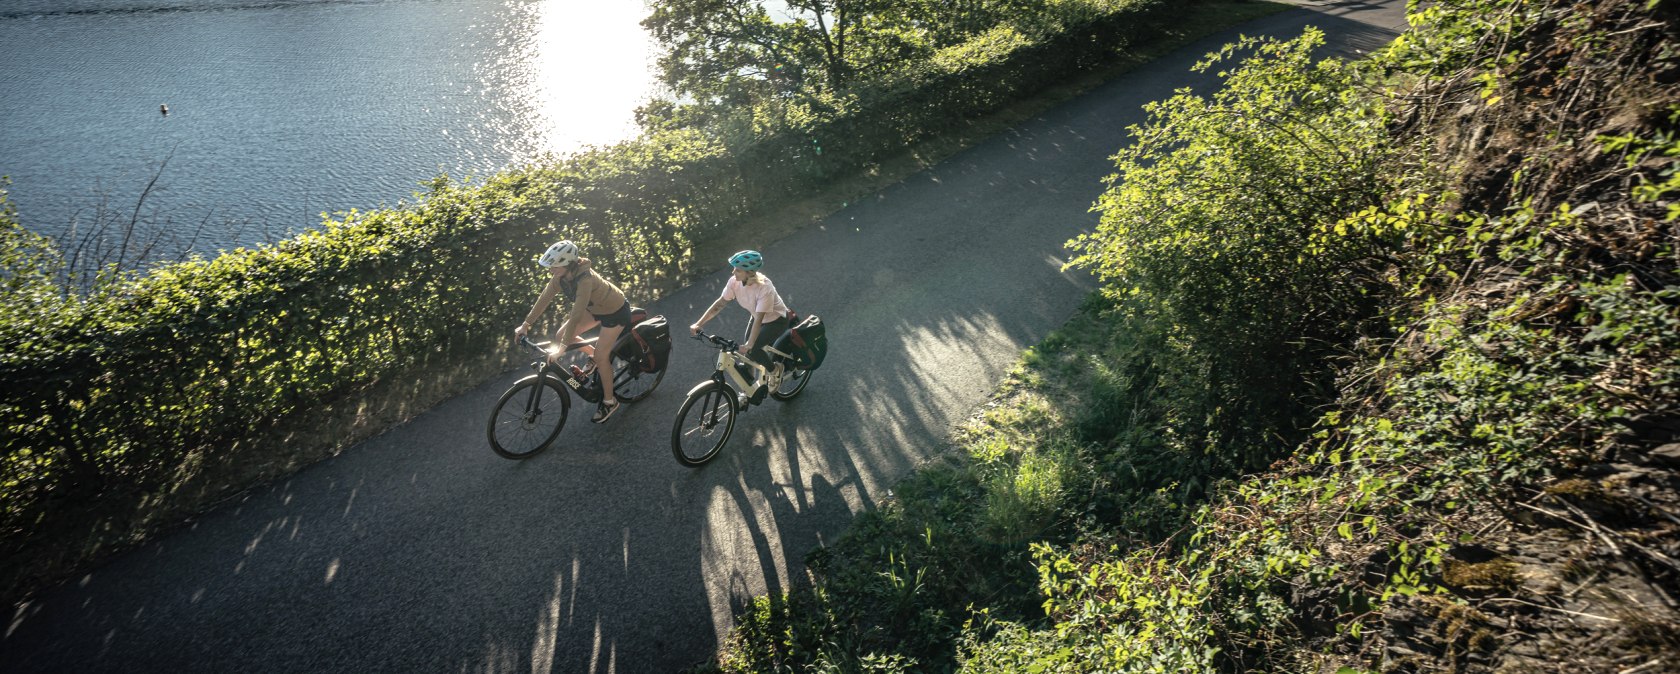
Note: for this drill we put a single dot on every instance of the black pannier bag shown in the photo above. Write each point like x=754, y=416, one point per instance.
x=655, y=334
x=649, y=341
x=807, y=342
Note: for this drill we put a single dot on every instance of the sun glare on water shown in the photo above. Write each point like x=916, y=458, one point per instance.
x=586, y=69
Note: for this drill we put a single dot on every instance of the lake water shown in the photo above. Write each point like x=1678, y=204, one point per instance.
x=280, y=110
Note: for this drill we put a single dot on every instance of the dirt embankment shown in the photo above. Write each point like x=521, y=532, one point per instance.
x=1577, y=570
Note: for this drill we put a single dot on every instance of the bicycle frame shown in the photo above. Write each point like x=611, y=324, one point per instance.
x=728, y=358
x=545, y=368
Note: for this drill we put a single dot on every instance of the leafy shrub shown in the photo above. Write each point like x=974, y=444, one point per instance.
x=1216, y=242
x=1531, y=336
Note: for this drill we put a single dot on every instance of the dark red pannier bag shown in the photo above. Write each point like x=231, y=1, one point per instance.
x=807, y=342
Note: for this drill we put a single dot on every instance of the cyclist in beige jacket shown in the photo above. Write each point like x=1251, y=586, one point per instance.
x=595, y=300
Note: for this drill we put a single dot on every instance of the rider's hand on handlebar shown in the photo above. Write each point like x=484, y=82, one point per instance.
x=694, y=329
x=519, y=332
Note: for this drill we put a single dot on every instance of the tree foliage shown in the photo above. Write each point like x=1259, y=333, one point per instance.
x=745, y=57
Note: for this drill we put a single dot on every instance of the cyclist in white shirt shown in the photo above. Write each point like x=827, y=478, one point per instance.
x=755, y=293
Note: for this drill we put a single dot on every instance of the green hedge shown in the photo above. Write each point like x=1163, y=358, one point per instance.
x=115, y=397
x=119, y=394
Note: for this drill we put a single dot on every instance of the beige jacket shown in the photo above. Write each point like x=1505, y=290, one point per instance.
x=590, y=293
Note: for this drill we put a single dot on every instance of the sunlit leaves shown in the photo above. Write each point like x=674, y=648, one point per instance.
x=1232, y=230
x=1661, y=148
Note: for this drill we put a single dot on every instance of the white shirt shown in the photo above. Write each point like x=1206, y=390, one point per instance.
x=757, y=298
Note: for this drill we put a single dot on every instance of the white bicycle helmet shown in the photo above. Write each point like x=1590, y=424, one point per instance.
x=563, y=253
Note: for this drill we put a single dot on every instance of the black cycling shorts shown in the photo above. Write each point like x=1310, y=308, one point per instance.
x=616, y=318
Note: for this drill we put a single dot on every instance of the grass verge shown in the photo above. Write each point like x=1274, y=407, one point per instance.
x=954, y=542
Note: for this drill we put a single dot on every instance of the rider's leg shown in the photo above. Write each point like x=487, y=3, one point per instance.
x=766, y=335
x=577, y=336
x=747, y=372
x=603, y=360
x=587, y=323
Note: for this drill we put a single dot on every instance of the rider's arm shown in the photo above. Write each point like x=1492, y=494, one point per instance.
x=548, y=293
x=711, y=312
x=759, y=320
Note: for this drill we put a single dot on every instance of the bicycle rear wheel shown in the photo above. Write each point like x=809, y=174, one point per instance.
x=793, y=382
x=630, y=383
x=528, y=417
x=703, y=424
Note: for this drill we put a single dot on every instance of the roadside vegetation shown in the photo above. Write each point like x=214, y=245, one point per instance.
x=1383, y=377
x=138, y=394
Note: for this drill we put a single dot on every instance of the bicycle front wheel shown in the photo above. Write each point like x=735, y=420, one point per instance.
x=703, y=423
x=528, y=417
x=630, y=383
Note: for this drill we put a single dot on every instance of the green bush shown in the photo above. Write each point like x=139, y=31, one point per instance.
x=1530, y=337
x=1217, y=242
x=813, y=142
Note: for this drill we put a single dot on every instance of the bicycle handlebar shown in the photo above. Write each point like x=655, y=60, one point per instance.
x=539, y=348
x=719, y=342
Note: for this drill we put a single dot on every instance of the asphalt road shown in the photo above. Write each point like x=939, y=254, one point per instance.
x=420, y=550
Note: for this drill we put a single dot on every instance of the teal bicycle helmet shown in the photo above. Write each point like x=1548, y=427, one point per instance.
x=749, y=260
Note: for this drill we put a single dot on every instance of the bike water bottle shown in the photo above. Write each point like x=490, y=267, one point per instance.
x=577, y=372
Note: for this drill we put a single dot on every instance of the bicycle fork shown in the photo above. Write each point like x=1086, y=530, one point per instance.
x=533, y=405
x=714, y=408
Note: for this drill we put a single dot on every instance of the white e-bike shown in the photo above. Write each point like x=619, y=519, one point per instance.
x=708, y=414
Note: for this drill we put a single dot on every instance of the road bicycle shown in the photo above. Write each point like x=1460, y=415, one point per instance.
x=529, y=416
x=707, y=415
